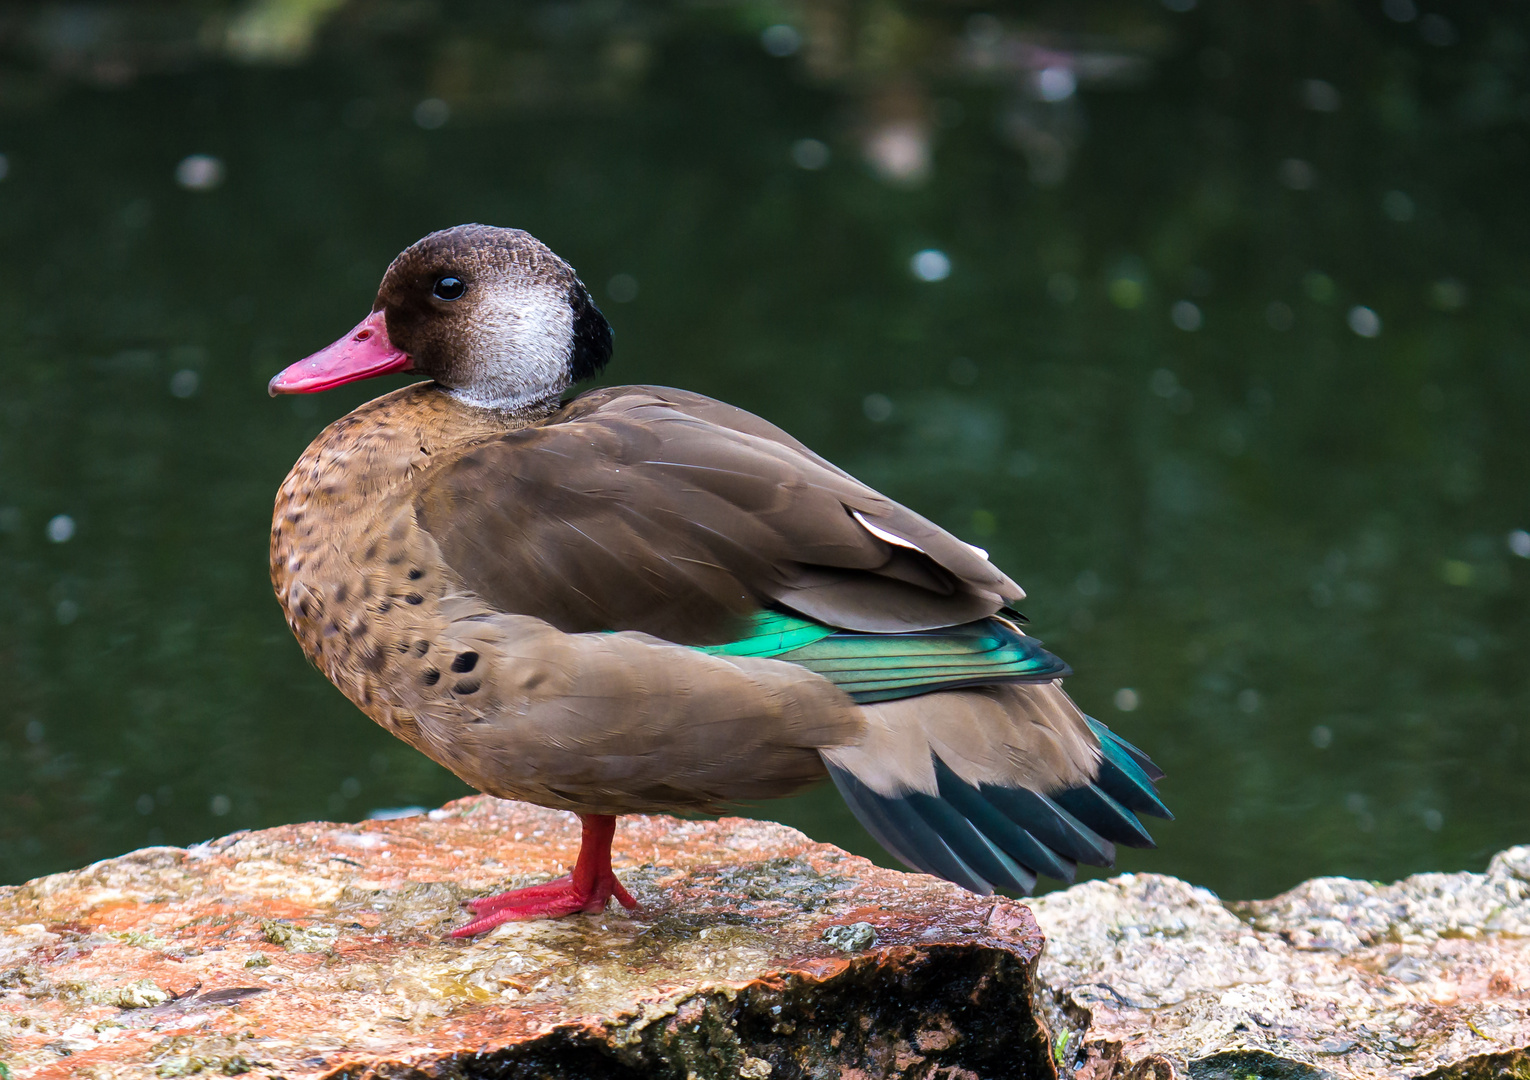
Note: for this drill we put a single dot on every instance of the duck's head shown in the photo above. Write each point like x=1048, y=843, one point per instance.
x=491, y=314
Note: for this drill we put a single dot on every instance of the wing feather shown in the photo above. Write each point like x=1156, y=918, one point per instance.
x=657, y=510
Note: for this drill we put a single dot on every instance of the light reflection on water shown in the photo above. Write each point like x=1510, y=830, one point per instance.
x=1211, y=331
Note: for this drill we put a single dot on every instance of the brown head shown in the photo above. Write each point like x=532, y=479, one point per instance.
x=489, y=313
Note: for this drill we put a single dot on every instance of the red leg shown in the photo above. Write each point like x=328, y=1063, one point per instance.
x=588, y=888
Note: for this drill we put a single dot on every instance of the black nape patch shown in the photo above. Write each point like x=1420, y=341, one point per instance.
x=464, y=662
x=592, y=335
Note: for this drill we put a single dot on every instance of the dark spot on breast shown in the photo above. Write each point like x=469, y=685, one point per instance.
x=374, y=659
x=416, y=574
x=403, y=647
x=342, y=594
x=330, y=629
x=371, y=552
x=385, y=607
x=464, y=662
x=414, y=598
x=467, y=686
x=421, y=647
x=431, y=677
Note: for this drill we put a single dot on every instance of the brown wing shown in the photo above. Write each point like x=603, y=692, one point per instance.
x=644, y=508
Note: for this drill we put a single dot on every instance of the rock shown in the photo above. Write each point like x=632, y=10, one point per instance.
x=322, y=950
x=1145, y=975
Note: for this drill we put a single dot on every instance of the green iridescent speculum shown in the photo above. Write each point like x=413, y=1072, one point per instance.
x=880, y=667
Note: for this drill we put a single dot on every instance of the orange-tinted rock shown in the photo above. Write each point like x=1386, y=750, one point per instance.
x=322, y=950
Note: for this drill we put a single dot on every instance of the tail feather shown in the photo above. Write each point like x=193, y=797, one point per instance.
x=1122, y=776
x=1104, y=815
x=988, y=819
x=1052, y=825
x=983, y=835
x=895, y=825
x=993, y=775
x=970, y=845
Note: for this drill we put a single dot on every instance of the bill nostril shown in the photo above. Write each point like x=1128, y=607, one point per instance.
x=363, y=335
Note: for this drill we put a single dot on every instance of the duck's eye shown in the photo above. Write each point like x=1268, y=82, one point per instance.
x=449, y=288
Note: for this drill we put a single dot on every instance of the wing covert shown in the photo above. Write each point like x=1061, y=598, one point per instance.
x=643, y=508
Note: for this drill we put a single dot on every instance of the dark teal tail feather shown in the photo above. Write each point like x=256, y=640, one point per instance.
x=895, y=825
x=1052, y=825
x=970, y=844
x=1104, y=815
x=1122, y=776
x=1022, y=846
x=984, y=836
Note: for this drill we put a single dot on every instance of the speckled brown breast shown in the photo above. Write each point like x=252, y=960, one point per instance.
x=361, y=584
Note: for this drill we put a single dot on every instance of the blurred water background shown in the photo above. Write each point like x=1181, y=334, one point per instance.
x=1209, y=321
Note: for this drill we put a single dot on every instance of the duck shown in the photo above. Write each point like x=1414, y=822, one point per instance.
x=639, y=600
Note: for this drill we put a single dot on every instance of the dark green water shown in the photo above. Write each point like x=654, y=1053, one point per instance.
x=1279, y=517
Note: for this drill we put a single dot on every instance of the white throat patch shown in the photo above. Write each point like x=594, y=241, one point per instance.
x=521, y=345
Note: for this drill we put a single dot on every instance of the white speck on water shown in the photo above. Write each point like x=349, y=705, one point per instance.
x=1320, y=95
x=35, y=731
x=1322, y=736
x=1519, y=543
x=1186, y=316
x=1397, y=205
x=1127, y=699
x=877, y=407
x=66, y=611
x=1248, y=700
x=60, y=528
x=184, y=383
x=199, y=172
x=810, y=154
x=1055, y=83
x=1364, y=321
x=930, y=264
x=1298, y=175
x=622, y=288
x=1434, y=821
x=219, y=805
